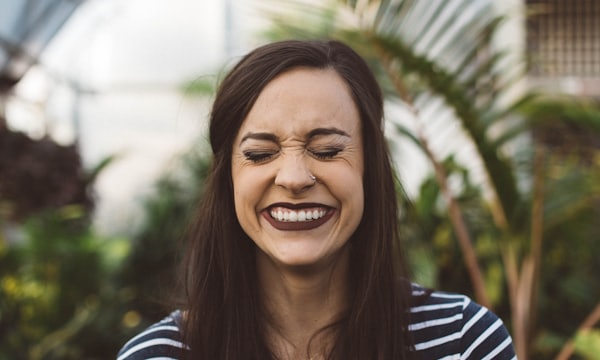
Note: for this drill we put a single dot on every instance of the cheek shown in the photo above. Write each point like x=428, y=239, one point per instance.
x=242, y=196
x=351, y=194
x=247, y=192
x=243, y=208
x=359, y=201
x=240, y=193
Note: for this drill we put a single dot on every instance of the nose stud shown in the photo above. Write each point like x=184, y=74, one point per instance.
x=312, y=177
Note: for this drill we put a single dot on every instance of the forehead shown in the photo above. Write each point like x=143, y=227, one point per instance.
x=302, y=99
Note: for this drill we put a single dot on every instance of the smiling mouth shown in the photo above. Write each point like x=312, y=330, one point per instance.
x=284, y=214
x=305, y=217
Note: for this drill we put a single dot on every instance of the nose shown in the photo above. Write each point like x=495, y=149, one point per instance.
x=294, y=174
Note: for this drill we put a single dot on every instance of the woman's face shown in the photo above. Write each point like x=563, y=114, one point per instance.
x=303, y=123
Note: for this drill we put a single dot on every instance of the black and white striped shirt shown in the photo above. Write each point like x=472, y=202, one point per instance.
x=444, y=326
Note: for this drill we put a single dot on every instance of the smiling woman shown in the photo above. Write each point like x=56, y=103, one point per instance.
x=292, y=253
x=304, y=123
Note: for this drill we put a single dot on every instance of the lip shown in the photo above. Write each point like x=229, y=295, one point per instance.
x=297, y=225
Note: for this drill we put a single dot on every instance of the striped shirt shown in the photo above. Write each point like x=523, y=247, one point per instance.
x=444, y=326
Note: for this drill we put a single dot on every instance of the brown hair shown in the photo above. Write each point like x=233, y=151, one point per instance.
x=224, y=318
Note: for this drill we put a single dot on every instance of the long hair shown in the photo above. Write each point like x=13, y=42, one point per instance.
x=224, y=317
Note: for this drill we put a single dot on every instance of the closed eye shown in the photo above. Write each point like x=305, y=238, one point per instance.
x=326, y=153
x=258, y=156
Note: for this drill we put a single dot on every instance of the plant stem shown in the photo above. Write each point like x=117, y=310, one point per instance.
x=588, y=323
x=455, y=213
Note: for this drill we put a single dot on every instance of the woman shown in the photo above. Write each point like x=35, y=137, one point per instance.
x=292, y=255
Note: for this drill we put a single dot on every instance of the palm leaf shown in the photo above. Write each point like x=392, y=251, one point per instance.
x=457, y=97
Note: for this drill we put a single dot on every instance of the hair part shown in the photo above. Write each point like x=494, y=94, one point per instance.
x=224, y=316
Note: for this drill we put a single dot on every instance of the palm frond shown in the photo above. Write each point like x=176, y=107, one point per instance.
x=446, y=85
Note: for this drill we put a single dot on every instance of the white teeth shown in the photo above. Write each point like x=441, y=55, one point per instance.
x=297, y=216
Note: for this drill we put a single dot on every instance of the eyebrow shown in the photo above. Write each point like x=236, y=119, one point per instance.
x=259, y=136
x=326, y=131
x=313, y=133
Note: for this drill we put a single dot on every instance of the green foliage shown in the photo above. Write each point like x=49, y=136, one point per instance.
x=66, y=293
x=587, y=344
x=51, y=281
x=54, y=269
x=432, y=233
x=149, y=271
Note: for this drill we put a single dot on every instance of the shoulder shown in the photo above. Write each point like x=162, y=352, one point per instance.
x=447, y=325
x=161, y=340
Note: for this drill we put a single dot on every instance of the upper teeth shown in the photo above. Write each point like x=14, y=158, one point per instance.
x=282, y=214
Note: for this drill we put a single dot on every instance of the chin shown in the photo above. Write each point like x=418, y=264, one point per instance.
x=302, y=266
x=298, y=260
x=309, y=260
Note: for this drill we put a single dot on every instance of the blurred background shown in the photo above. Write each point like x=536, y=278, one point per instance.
x=492, y=116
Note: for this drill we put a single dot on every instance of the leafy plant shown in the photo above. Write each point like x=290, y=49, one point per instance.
x=52, y=277
x=149, y=271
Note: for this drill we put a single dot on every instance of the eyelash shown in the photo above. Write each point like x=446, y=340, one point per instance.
x=327, y=153
x=258, y=156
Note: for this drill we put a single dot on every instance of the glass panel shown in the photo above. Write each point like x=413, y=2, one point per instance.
x=26, y=27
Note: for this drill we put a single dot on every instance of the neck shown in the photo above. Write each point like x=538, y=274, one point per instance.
x=300, y=301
